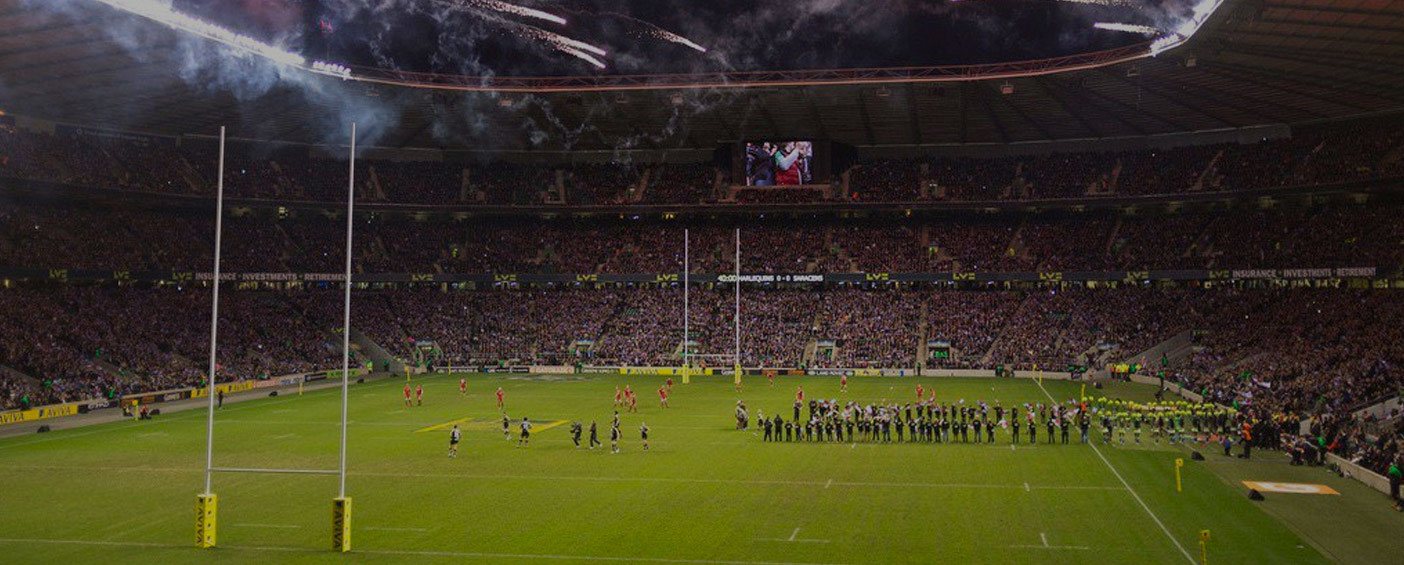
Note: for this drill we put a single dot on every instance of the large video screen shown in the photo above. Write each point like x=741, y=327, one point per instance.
x=780, y=163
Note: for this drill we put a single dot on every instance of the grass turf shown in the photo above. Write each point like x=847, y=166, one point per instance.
x=705, y=493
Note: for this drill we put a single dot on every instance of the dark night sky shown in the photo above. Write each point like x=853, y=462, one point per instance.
x=461, y=37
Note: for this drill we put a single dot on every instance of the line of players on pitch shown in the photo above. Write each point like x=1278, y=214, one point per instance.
x=622, y=398
x=930, y=421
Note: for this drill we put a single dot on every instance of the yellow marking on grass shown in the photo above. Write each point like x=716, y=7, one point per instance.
x=548, y=425
x=477, y=424
x=443, y=426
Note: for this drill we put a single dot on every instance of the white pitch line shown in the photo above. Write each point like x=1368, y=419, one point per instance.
x=1026, y=488
x=392, y=552
x=1069, y=547
x=794, y=533
x=1043, y=536
x=1144, y=506
x=759, y=482
x=279, y=526
x=829, y=484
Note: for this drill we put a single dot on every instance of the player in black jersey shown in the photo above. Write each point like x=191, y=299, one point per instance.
x=526, y=433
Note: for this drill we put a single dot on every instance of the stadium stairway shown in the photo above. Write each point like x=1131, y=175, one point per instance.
x=377, y=190
x=109, y=368
x=465, y=188
x=1176, y=348
x=372, y=350
x=190, y=175
x=1111, y=237
x=986, y=355
x=16, y=375
x=642, y=186
x=1207, y=172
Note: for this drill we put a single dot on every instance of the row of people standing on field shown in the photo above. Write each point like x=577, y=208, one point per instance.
x=932, y=422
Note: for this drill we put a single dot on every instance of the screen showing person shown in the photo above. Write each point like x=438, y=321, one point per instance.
x=779, y=163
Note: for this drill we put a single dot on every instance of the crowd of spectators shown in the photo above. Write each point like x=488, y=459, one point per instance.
x=68, y=343
x=1323, y=154
x=885, y=180
x=1286, y=351
x=602, y=184
x=135, y=239
x=681, y=184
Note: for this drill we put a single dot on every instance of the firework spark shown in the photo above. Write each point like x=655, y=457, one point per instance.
x=1128, y=28
x=507, y=8
x=661, y=33
x=583, y=56
x=576, y=48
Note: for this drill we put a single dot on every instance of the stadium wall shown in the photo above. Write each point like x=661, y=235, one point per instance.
x=1369, y=478
x=1172, y=387
x=157, y=397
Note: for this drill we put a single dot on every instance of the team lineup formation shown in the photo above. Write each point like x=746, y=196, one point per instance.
x=930, y=420
x=927, y=419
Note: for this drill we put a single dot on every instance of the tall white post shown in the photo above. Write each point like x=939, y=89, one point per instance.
x=738, y=305
x=346, y=321
x=686, y=318
x=214, y=318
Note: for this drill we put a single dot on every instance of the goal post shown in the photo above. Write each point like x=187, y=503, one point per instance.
x=687, y=319
x=207, y=503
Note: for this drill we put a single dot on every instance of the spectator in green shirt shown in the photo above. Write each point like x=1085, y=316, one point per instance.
x=1394, y=477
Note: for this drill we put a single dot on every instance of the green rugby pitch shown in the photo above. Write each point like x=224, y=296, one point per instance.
x=704, y=493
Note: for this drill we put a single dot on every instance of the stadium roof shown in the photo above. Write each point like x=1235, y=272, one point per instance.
x=1253, y=63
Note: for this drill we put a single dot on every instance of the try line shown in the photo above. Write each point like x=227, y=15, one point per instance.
x=1143, y=504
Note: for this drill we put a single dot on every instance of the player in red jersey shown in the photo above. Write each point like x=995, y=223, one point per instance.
x=770, y=377
x=462, y=386
x=633, y=402
x=419, y=395
x=843, y=383
x=407, y=395
x=618, y=397
x=501, y=397
x=670, y=383
x=920, y=392
x=799, y=394
x=663, y=396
